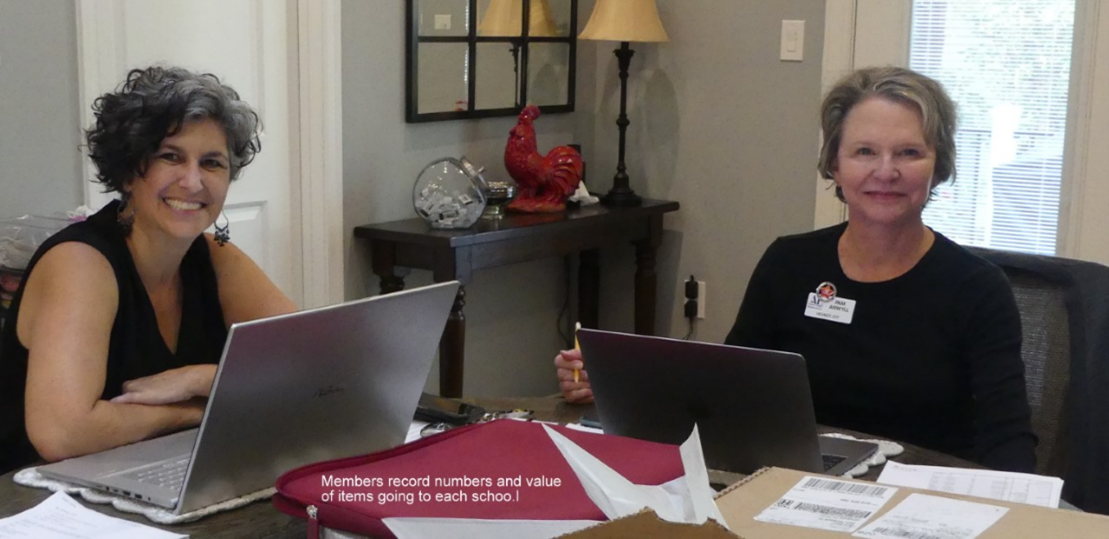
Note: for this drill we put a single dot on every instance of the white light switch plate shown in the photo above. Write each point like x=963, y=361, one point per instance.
x=793, y=41
x=443, y=22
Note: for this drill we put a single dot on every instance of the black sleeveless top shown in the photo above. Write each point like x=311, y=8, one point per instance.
x=136, y=347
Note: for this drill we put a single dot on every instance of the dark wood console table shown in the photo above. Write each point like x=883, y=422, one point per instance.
x=455, y=254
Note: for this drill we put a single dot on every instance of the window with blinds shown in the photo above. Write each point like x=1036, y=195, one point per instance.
x=1006, y=63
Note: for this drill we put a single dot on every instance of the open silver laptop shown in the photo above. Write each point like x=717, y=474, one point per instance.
x=290, y=390
x=753, y=407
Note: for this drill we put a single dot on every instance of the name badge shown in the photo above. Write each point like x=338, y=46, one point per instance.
x=824, y=304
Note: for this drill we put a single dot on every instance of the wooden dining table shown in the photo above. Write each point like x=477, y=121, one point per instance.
x=262, y=520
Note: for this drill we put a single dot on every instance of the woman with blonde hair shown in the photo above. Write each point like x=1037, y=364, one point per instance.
x=905, y=333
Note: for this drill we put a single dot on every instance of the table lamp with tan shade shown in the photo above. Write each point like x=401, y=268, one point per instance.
x=504, y=18
x=624, y=21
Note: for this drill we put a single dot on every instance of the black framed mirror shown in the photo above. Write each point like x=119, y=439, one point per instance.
x=477, y=58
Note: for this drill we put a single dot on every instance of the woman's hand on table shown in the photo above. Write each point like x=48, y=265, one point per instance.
x=579, y=392
x=168, y=387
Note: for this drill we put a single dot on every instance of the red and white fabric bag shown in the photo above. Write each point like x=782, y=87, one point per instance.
x=522, y=478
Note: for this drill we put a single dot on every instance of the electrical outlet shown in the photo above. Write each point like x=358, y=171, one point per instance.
x=702, y=300
x=695, y=293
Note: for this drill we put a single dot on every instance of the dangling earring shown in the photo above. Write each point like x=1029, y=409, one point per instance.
x=125, y=213
x=223, y=233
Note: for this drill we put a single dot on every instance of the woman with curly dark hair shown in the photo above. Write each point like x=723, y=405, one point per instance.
x=115, y=333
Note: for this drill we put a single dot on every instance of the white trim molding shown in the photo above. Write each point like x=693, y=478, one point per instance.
x=885, y=41
x=839, y=52
x=1083, y=221
x=319, y=121
x=882, y=32
x=99, y=30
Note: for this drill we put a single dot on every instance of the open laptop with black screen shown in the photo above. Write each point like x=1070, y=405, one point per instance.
x=753, y=407
x=290, y=390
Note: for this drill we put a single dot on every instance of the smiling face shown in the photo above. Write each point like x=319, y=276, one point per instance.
x=884, y=165
x=185, y=184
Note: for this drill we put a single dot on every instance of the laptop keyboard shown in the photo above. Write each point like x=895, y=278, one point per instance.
x=169, y=474
x=830, y=461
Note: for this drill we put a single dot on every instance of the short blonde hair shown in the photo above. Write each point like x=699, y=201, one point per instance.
x=900, y=85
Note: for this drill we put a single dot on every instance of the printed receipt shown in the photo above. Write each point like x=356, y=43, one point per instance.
x=1005, y=486
x=921, y=516
x=827, y=504
x=60, y=516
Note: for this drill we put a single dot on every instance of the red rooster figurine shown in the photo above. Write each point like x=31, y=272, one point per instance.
x=544, y=182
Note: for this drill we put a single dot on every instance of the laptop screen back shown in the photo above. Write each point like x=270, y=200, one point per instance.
x=314, y=385
x=753, y=407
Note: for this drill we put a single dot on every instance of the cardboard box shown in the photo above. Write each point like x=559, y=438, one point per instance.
x=741, y=502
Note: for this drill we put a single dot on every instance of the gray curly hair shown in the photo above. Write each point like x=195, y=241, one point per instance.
x=155, y=103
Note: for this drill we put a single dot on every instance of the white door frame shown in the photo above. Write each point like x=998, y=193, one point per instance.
x=320, y=118
x=844, y=51
x=1083, y=221
x=838, y=60
x=317, y=129
x=95, y=74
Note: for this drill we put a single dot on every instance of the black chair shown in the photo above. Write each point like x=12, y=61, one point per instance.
x=1064, y=310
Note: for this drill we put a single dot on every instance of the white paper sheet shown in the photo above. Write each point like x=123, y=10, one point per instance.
x=685, y=499
x=61, y=517
x=827, y=504
x=583, y=428
x=920, y=516
x=613, y=494
x=696, y=480
x=1005, y=486
x=414, y=431
x=529, y=420
x=473, y=528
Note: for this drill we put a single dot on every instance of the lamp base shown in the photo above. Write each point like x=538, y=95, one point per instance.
x=621, y=195
x=621, y=198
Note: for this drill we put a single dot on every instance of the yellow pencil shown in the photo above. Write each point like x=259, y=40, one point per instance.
x=577, y=347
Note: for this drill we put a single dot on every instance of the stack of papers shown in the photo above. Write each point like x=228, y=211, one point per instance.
x=1005, y=486
x=61, y=517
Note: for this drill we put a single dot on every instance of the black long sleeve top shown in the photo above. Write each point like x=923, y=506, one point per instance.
x=931, y=357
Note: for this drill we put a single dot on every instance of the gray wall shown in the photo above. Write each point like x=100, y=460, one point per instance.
x=718, y=123
x=40, y=161
x=510, y=312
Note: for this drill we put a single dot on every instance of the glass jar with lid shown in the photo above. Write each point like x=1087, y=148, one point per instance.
x=449, y=193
